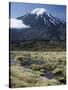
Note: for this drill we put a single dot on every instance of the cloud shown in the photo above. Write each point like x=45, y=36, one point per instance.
x=15, y=23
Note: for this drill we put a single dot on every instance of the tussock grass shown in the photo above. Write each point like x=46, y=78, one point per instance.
x=31, y=76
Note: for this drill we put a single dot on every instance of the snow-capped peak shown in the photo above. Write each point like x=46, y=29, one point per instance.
x=38, y=11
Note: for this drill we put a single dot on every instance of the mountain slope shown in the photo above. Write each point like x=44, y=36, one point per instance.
x=42, y=26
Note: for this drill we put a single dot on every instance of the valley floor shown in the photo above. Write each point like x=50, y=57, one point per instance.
x=38, y=45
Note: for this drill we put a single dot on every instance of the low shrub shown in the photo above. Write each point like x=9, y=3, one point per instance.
x=36, y=67
x=47, y=66
x=23, y=60
x=19, y=59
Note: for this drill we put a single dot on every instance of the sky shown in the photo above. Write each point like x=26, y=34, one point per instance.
x=17, y=9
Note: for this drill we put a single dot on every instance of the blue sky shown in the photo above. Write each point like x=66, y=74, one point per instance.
x=19, y=9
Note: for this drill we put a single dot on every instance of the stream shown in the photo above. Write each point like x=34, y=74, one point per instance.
x=46, y=73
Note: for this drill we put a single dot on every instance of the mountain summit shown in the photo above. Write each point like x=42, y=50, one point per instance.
x=40, y=16
x=38, y=11
x=43, y=26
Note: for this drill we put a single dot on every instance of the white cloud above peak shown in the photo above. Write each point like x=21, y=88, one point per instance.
x=18, y=24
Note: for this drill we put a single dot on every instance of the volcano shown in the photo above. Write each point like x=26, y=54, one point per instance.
x=43, y=26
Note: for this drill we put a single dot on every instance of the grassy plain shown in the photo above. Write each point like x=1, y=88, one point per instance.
x=31, y=69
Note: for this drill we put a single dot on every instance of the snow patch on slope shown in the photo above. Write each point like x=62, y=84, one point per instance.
x=52, y=22
x=44, y=21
